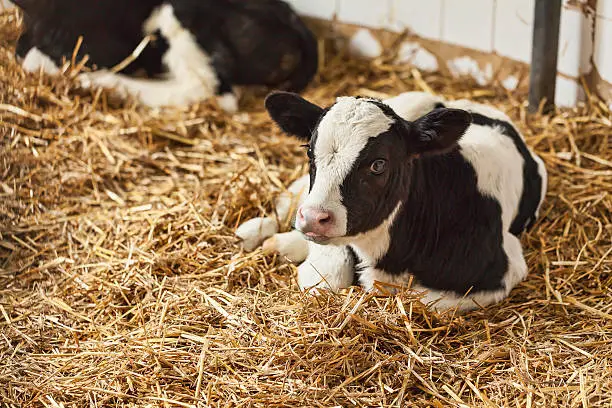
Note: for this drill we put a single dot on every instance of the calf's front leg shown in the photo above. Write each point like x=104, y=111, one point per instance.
x=327, y=266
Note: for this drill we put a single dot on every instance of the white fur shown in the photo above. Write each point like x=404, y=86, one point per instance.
x=371, y=246
x=35, y=60
x=327, y=266
x=185, y=59
x=342, y=134
x=498, y=165
x=544, y=175
x=476, y=107
x=255, y=230
x=412, y=105
x=291, y=245
x=485, y=149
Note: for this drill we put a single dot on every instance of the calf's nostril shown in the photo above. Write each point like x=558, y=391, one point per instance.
x=324, y=219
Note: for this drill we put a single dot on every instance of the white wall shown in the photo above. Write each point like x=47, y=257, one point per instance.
x=500, y=26
x=603, y=39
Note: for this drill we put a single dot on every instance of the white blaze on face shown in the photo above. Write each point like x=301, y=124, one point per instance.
x=342, y=134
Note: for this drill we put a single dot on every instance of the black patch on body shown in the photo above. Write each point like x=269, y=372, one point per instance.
x=447, y=234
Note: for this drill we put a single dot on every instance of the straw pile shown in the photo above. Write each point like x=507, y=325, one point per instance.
x=121, y=283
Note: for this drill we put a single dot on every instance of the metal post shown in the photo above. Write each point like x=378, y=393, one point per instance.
x=545, y=47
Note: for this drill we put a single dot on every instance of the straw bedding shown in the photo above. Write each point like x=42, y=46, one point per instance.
x=121, y=283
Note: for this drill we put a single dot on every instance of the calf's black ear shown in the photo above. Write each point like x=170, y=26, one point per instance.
x=294, y=114
x=439, y=130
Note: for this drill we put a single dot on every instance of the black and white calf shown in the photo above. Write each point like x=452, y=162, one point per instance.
x=440, y=195
x=202, y=48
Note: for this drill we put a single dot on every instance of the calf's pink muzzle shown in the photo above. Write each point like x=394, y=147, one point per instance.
x=314, y=222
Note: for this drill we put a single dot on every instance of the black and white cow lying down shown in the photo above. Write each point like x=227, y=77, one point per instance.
x=410, y=186
x=202, y=48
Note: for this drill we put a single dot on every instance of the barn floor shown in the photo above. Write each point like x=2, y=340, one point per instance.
x=121, y=283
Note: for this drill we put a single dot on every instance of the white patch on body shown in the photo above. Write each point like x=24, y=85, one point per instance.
x=327, y=266
x=498, y=165
x=254, y=231
x=35, y=60
x=364, y=45
x=371, y=246
x=485, y=110
x=185, y=59
x=342, y=134
x=291, y=245
x=485, y=148
x=412, y=105
x=544, y=175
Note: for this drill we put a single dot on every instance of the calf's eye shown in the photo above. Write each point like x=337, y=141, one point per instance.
x=378, y=167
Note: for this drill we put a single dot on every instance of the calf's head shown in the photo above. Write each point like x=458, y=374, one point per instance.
x=361, y=156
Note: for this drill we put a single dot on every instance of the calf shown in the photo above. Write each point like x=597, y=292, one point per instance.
x=201, y=48
x=441, y=198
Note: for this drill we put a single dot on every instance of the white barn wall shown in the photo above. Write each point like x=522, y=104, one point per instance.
x=469, y=23
x=503, y=27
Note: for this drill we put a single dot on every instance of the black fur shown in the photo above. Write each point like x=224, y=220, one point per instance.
x=355, y=261
x=294, y=114
x=447, y=234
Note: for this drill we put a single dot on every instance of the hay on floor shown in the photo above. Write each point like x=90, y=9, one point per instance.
x=121, y=283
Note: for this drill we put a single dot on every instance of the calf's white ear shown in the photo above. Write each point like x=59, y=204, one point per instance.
x=438, y=131
x=293, y=114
